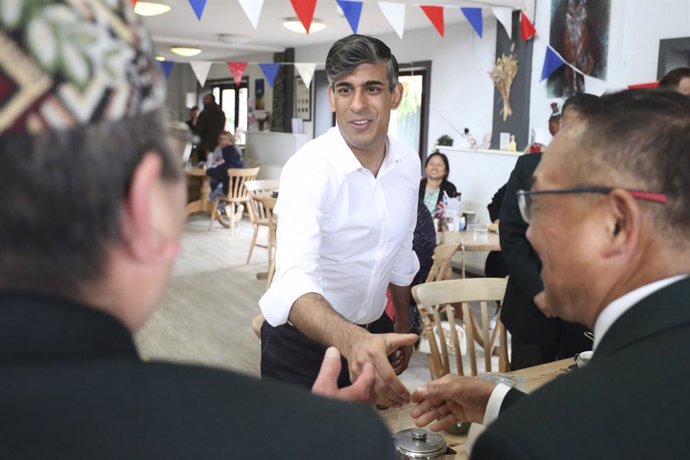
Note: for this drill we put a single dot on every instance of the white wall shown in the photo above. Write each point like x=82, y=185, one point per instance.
x=461, y=91
x=634, y=34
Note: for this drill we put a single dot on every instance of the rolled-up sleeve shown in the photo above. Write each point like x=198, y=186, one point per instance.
x=298, y=241
x=406, y=264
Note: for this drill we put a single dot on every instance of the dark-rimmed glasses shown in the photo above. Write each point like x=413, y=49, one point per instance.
x=524, y=197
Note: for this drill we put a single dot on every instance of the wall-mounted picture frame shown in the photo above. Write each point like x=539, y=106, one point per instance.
x=302, y=100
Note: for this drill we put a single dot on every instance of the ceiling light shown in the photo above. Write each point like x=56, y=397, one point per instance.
x=295, y=25
x=160, y=58
x=150, y=8
x=185, y=51
x=233, y=39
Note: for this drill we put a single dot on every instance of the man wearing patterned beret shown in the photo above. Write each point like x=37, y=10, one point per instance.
x=90, y=224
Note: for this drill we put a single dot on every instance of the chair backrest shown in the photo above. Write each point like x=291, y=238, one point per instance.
x=257, y=210
x=238, y=177
x=441, y=269
x=438, y=299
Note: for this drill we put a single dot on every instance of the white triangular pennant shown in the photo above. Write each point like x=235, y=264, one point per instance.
x=306, y=71
x=595, y=86
x=201, y=69
x=505, y=17
x=395, y=14
x=252, y=8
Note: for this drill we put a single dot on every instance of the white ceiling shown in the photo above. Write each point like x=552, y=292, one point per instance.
x=181, y=27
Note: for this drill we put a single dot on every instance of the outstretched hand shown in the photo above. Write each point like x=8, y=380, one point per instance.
x=451, y=399
x=375, y=349
x=326, y=383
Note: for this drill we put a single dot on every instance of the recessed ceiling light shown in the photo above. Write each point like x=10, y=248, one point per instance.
x=295, y=25
x=185, y=51
x=150, y=8
x=160, y=58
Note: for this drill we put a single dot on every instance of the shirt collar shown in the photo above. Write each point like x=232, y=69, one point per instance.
x=618, y=307
x=350, y=163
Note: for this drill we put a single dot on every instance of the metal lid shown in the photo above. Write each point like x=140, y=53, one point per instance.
x=419, y=443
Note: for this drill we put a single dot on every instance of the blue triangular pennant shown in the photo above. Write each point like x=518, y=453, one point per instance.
x=270, y=70
x=167, y=68
x=474, y=17
x=552, y=62
x=198, y=7
x=352, y=11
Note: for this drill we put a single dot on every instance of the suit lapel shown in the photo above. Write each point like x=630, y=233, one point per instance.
x=664, y=309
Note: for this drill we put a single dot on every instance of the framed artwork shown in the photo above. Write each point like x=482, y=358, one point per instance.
x=302, y=100
x=259, y=93
x=580, y=33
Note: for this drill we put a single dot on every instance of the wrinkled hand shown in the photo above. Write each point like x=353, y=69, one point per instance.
x=326, y=383
x=540, y=301
x=375, y=349
x=451, y=399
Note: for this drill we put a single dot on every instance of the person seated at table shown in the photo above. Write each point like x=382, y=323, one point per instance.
x=225, y=156
x=80, y=276
x=433, y=187
x=609, y=215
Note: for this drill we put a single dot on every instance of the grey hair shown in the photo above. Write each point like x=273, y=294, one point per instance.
x=351, y=51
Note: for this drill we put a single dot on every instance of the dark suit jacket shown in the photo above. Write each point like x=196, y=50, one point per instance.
x=73, y=387
x=209, y=125
x=446, y=186
x=519, y=314
x=630, y=402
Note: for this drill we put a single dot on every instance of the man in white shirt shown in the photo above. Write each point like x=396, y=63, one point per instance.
x=610, y=219
x=347, y=210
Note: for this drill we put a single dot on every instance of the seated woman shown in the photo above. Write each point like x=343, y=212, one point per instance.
x=432, y=187
x=220, y=182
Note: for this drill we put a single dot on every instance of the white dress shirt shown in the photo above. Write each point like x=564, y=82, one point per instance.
x=605, y=320
x=342, y=232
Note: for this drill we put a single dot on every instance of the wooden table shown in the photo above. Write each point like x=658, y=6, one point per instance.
x=532, y=378
x=203, y=203
x=473, y=240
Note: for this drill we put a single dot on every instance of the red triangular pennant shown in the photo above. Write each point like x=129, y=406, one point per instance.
x=526, y=27
x=134, y=3
x=305, y=11
x=237, y=69
x=435, y=15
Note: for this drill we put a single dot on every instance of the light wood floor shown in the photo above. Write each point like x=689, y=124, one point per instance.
x=205, y=317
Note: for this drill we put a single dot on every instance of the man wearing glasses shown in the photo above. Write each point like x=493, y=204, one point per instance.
x=538, y=336
x=608, y=216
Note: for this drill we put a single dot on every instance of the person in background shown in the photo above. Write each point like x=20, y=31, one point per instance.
x=677, y=80
x=436, y=183
x=193, y=116
x=423, y=245
x=81, y=276
x=209, y=125
x=537, y=336
x=495, y=266
x=608, y=214
x=225, y=157
x=347, y=212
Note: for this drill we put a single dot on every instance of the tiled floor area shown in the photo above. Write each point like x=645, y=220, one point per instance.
x=206, y=314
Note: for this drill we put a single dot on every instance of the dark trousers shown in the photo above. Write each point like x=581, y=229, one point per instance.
x=290, y=356
x=571, y=340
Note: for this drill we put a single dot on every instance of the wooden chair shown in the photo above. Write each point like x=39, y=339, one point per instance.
x=237, y=195
x=441, y=268
x=258, y=214
x=444, y=337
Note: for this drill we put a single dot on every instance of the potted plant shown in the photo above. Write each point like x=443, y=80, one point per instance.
x=445, y=140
